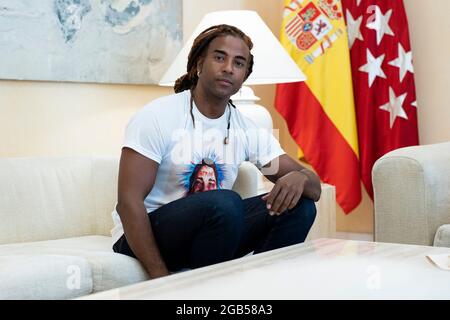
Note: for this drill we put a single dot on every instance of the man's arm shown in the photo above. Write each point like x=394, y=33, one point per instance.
x=292, y=181
x=136, y=179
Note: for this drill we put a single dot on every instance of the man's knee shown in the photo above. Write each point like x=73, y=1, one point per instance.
x=227, y=206
x=224, y=199
x=306, y=210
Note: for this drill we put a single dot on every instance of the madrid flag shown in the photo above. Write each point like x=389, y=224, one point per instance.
x=320, y=112
x=383, y=79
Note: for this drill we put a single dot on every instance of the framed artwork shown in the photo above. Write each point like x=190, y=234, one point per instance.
x=101, y=41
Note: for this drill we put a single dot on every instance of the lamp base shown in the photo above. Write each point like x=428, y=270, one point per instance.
x=245, y=102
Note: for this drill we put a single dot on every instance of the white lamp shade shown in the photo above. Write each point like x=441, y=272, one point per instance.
x=272, y=64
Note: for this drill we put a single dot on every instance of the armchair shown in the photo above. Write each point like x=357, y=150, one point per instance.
x=412, y=195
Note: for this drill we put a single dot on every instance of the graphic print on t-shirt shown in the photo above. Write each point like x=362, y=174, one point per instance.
x=207, y=173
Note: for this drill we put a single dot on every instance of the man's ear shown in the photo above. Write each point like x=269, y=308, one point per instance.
x=200, y=65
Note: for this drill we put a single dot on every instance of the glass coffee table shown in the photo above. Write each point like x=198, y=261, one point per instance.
x=318, y=269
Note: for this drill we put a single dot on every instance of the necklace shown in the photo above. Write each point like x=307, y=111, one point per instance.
x=227, y=138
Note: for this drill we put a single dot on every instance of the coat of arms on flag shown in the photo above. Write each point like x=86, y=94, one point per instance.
x=310, y=24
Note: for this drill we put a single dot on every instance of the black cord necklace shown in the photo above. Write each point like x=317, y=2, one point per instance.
x=227, y=138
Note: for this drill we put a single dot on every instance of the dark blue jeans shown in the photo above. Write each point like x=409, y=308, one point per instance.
x=215, y=226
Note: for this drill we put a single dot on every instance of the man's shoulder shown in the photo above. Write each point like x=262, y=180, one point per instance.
x=166, y=105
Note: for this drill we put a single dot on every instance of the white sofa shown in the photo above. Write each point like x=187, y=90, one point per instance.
x=412, y=195
x=55, y=215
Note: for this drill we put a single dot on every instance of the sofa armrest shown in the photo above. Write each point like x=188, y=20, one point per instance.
x=246, y=183
x=442, y=237
x=411, y=193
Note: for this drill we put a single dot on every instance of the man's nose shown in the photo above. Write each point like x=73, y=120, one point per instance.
x=228, y=66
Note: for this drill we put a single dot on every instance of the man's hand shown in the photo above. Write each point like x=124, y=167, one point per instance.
x=286, y=192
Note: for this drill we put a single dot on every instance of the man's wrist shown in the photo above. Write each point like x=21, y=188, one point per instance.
x=304, y=172
x=160, y=271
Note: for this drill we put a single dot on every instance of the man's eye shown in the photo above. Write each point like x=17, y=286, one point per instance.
x=239, y=64
x=219, y=58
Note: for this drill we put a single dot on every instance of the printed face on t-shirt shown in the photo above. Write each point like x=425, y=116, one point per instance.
x=205, y=180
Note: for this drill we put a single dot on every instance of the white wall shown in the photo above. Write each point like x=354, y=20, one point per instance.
x=429, y=28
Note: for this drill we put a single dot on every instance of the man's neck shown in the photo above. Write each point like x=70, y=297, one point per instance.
x=210, y=106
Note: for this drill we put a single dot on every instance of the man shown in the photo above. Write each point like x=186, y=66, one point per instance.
x=157, y=220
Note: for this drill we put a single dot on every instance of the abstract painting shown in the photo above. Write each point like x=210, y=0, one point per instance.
x=102, y=41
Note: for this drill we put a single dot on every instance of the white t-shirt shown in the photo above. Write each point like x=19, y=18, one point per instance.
x=163, y=131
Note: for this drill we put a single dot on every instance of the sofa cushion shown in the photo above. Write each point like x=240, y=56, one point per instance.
x=32, y=276
x=442, y=237
x=108, y=269
x=47, y=198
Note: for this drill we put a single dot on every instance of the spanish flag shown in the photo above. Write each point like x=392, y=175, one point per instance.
x=320, y=112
